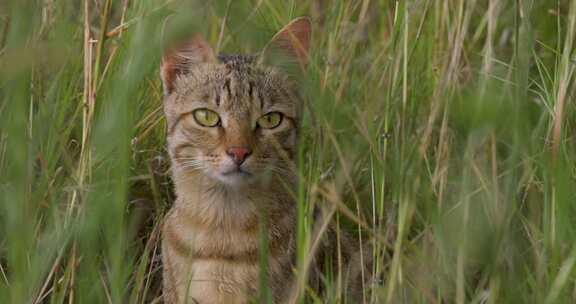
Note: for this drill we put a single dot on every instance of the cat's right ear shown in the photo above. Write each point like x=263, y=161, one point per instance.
x=178, y=60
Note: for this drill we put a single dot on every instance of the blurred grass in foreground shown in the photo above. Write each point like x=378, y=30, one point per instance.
x=442, y=131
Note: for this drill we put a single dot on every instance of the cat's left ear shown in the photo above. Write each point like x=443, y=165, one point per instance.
x=178, y=60
x=290, y=45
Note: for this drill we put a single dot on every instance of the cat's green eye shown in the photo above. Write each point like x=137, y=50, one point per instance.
x=206, y=118
x=270, y=120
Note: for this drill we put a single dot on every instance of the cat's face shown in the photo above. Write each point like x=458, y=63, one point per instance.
x=230, y=118
x=233, y=121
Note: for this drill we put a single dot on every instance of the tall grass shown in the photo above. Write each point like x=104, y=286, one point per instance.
x=440, y=131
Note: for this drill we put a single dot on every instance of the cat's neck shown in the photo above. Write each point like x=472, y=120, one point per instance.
x=221, y=205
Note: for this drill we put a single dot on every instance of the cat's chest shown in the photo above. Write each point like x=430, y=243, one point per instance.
x=195, y=240
x=223, y=261
x=212, y=265
x=213, y=281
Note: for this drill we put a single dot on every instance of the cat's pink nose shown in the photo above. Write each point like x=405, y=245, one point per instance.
x=238, y=154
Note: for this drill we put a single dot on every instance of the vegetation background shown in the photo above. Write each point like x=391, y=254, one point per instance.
x=442, y=131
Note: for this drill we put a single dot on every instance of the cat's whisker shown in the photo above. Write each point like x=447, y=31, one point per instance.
x=186, y=158
x=280, y=171
x=186, y=161
x=192, y=161
x=192, y=165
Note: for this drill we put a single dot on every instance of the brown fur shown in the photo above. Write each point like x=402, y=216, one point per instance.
x=211, y=235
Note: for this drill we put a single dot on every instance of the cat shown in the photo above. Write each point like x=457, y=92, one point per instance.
x=232, y=135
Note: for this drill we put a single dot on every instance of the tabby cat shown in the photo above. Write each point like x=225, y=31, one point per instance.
x=232, y=137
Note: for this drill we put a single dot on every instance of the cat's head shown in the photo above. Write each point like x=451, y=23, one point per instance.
x=234, y=119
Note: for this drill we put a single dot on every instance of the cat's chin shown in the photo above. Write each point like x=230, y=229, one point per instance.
x=236, y=178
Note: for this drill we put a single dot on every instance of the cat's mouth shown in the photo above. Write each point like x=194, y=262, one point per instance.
x=236, y=176
x=237, y=172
